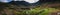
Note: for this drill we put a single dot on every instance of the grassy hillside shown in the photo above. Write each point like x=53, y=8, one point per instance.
x=44, y=9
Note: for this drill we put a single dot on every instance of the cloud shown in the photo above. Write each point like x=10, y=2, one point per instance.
x=31, y=1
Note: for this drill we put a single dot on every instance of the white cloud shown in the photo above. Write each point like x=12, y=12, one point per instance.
x=31, y=1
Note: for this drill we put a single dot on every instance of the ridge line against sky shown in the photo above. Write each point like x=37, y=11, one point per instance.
x=29, y=1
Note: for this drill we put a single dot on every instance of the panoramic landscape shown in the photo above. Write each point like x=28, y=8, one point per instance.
x=30, y=7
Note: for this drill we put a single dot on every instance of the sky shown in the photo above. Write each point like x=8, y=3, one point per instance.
x=29, y=1
x=5, y=0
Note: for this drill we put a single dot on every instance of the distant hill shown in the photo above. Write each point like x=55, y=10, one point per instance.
x=23, y=3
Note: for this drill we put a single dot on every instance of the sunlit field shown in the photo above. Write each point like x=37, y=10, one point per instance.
x=44, y=9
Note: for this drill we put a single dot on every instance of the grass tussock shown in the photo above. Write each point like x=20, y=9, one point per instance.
x=39, y=11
